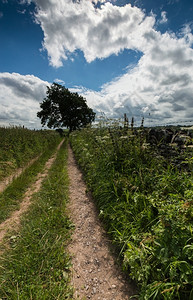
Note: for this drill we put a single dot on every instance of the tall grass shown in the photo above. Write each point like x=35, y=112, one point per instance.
x=19, y=145
x=37, y=264
x=145, y=201
x=45, y=141
x=13, y=194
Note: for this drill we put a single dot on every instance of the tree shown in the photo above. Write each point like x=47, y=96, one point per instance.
x=62, y=108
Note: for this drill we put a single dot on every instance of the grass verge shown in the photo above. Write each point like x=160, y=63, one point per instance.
x=145, y=201
x=13, y=194
x=36, y=266
x=19, y=145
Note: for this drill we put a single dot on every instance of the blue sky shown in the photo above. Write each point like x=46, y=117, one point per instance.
x=123, y=56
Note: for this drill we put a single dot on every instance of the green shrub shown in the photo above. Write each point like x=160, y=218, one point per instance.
x=145, y=202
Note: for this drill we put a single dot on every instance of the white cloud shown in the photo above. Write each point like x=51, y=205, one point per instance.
x=186, y=33
x=59, y=81
x=161, y=84
x=98, y=32
x=20, y=97
x=163, y=18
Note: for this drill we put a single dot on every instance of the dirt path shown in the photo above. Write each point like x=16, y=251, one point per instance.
x=6, y=181
x=95, y=273
x=13, y=221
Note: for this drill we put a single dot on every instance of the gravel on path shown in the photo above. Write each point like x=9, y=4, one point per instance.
x=95, y=274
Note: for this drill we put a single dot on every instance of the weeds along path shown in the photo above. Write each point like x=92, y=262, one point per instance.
x=95, y=273
x=7, y=180
x=14, y=220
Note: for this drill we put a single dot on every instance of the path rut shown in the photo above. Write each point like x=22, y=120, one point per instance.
x=95, y=273
x=13, y=221
x=7, y=180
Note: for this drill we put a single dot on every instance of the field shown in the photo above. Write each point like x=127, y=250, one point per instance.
x=142, y=183
x=33, y=261
x=143, y=188
x=19, y=145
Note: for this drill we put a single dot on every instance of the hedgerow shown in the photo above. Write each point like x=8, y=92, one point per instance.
x=145, y=201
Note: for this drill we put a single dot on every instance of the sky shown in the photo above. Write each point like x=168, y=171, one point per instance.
x=123, y=56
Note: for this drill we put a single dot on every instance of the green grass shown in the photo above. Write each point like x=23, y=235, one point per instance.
x=13, y=194
x=37, y=265
x=19, y=145
x=145, y=202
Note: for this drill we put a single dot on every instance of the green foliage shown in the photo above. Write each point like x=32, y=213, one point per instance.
x=145, y=202
x=19, y=145
x=36, y=265
x=61, y=108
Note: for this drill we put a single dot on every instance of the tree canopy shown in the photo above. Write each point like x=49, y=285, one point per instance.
x=62, y=108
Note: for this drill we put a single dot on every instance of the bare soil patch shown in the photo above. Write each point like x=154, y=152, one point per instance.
x=95, y=273
x=13, y=222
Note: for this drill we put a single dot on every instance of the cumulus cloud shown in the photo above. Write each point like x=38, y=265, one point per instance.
x=159, y=87
x=163, y=18
x=20, y=97
x=186, y=33
x=98, y=32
